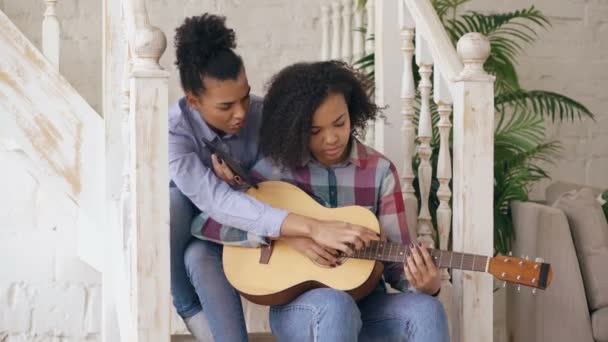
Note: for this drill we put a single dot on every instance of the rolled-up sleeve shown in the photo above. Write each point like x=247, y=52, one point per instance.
x=212, y=195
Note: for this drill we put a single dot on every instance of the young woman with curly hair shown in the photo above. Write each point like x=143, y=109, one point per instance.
x=218, y=109
x=312, y=114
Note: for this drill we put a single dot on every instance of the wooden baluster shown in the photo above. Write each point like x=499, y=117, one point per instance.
x=51, y=33
x=425, y=133
x=336, y=26
x=324, y=32
x=117, y=224
x=370, y=28
x=370, y=132
x=358, y=35
x=125, y=195
x=408, y=98
x=443, y=99
x=347, y=32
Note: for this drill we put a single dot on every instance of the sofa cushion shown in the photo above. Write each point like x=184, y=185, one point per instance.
x=590, y=234
x=555, y=190
x=599, y=321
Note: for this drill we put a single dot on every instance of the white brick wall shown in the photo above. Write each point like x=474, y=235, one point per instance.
x=48, y=294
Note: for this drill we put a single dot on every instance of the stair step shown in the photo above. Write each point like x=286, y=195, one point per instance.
x=253, y=337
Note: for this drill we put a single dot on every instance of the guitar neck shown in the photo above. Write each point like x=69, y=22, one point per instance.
x=395, y=252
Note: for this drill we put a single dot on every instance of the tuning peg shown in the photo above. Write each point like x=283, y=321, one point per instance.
x=533, y=292
x=539, y=259
x=510, y=253
x=504, y=284
x=518, y=288
x=527, y=258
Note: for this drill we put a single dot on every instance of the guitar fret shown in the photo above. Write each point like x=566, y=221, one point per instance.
x=473, y=268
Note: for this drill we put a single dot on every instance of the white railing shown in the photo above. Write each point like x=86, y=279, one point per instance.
x=459, y=78
x=446, y=77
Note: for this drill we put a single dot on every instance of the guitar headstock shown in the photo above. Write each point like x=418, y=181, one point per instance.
x=535, y=274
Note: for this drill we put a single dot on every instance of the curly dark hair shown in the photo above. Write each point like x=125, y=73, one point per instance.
x=295, y=93
x=204, y=47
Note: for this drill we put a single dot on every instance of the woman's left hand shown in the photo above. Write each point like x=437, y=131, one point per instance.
x=421, y=271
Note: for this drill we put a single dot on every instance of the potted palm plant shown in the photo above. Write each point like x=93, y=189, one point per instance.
x=521, y=149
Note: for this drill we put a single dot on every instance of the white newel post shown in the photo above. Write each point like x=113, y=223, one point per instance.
x=473, y=148
x=408, y=99
x=425, y=134
x=148, y=176
x=51, y=34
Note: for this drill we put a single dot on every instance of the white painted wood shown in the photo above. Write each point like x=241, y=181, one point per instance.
x=473, y=149
x=150, y=205
x=324, y=32
x=439, y=44
x=335, y=26
x=370, y=27
x=387, y=63
x=56, y=128
x=117, y=318
x=51, y=33
x=370, y=47
x=358, y=34
x=347, y=31
x=443, y=99
x=425, y=134
x=408, y=99
x=140, y=238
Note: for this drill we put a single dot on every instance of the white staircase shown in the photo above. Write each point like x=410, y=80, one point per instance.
x=113, y=167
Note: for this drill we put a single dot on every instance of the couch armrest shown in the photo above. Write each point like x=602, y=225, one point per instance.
x=561, y=312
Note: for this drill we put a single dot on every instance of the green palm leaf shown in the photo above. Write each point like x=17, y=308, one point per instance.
x=444, y=6
x=543, y=103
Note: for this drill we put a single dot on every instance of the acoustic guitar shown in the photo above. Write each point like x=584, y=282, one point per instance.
x=278, y=274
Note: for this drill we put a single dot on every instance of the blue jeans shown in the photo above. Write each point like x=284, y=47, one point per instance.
x=322, y=315
x=181, y=212
x=197, y=276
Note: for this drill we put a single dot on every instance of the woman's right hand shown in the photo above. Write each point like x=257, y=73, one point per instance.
x=314, y=251
x=336, y=235
x=342, y=236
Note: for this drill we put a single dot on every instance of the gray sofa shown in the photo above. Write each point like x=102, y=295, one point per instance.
x=568, y=233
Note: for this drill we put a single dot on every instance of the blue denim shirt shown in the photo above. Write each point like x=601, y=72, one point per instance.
x=190, y=169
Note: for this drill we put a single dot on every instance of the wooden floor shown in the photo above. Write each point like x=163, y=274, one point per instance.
x=254, y=337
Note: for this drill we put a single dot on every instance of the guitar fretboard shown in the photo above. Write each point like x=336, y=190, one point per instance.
x=395, y=252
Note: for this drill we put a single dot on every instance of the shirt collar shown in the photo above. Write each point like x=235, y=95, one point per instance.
x=207, y=132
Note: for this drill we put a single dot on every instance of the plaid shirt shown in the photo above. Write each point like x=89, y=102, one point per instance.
x=366, y=178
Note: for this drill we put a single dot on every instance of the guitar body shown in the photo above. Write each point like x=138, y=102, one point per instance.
x=289, y=273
